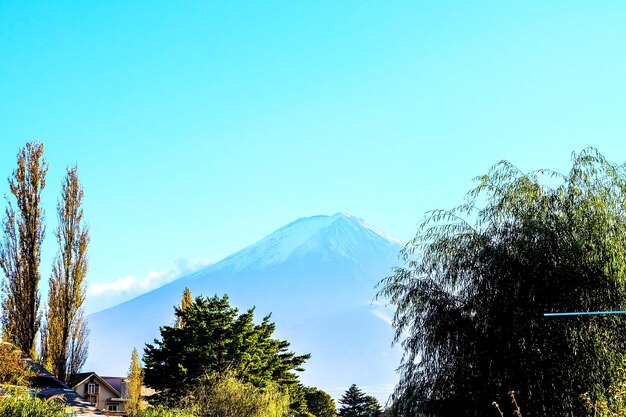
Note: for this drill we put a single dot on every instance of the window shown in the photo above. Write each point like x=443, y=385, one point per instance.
x=112, y=407
x=91, y=388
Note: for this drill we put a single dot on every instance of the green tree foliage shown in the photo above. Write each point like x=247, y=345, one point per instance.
x=64, y=335
x=298, y=405
x=217, y=341
x=354, y=403
x=372, y=406
x=478, y=278
x=319, y=403
x=20, y=252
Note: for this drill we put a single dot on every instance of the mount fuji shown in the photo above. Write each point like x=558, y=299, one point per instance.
x=316, y=276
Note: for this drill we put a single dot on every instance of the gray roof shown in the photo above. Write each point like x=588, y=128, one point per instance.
x=72, y=399
x=78, y=378
x=45, y=385
x=115, y=382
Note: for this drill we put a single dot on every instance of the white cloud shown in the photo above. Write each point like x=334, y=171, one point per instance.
x=383, y=315
x=101, y=295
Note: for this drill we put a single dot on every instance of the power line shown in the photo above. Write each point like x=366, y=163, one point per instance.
x=584, y=313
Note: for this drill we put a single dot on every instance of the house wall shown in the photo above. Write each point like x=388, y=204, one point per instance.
x=81, y=389
x=103, y=393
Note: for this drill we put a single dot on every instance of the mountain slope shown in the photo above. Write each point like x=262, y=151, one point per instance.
x=316, y=276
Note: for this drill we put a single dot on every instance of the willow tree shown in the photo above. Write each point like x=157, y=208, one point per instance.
x=471, y=298
x=20, y=252
x=64, y=341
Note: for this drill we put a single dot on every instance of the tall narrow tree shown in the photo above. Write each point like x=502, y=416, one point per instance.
x=184, y=305
x=20, y=252
x=65, y=334
x=134, y=381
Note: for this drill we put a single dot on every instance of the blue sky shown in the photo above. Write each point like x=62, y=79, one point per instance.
x=201, y=127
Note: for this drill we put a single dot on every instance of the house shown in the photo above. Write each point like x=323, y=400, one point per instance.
x=87, y=395
x=44, y=385
x=119, y=383
x=105, y=394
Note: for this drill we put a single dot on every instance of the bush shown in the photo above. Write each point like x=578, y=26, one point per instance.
x=161, y=411
x=13, y=368
x=612, y=403
x=229, y=397
x=24, y=405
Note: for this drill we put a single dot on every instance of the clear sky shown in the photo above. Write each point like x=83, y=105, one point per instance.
x=200, y=127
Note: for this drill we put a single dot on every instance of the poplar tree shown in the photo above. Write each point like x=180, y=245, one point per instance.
x=65, y=334
x=20, y=252
x=134, y=381
x=184, y=305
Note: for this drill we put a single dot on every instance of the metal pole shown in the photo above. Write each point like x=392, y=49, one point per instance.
x=584, y=313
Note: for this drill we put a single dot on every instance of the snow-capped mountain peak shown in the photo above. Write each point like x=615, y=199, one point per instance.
x=341, y=233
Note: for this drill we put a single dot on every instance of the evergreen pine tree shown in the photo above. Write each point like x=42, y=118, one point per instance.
x=353, y=403
x=218, y=341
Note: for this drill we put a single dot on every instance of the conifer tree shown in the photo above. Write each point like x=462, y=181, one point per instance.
x=217, y=341
x=356, y=404
x=64, y=341
x=20, y=252
x=134, y=381
x=353, y=403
